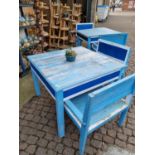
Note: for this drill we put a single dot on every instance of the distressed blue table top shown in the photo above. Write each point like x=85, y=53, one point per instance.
x=97, y=32
x=62, y=74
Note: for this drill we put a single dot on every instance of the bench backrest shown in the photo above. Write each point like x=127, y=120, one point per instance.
x=83, y=26
x=110, y=94
x=115, y=50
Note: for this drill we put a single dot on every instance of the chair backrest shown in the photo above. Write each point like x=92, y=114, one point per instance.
x=110, y=94
x=116, y=38
x=83, y=26
x=115, y=50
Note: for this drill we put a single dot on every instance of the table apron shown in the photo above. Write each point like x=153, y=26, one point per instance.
x=80, y=89
x=43, y=81
x=95, y=38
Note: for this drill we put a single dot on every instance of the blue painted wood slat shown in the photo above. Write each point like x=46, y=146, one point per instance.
x=94, y=109
x=88, y=65
x=92, y=35
x=65, y=79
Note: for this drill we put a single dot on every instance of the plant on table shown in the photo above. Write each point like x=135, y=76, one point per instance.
x=70, y=55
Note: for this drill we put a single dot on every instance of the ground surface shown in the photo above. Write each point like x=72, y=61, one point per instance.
x=38, y=120
x=26, y=89
x=113, y=150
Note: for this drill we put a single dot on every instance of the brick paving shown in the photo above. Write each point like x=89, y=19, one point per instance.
x=38, y=129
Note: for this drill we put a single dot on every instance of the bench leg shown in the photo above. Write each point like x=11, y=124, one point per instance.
x=89, y=43
x=123, y=117
x=83, y=140
x=36, y=83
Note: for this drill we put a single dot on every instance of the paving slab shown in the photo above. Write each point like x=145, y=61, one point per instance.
x=114, y=150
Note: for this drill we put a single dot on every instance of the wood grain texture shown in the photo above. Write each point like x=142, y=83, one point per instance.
x=97, y=32
x=88, y=65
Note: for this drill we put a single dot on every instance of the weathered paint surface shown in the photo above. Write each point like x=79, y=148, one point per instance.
x=98, y=31
x=63, y=74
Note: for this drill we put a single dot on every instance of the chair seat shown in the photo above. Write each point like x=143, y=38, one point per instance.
x=75, y=107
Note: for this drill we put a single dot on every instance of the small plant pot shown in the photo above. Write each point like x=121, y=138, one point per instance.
x=70, y=58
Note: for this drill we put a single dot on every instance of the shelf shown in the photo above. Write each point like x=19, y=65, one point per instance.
x=26, y=27
x=63, y=38
x=44, y=15
x=28, y=48
x=56, y=16
x=77, y=15
x=55, y=45
x=45, y=34
x=55, y=5
x=44, y=8
x=45, y=25
x=54, y=27
x=72, y=31
x=64, y=18
x=44, y=21
x=45, y=44
x=72, y=41
x=54, y=37
x=63, y=46
x=64, y=28
x=26, y=5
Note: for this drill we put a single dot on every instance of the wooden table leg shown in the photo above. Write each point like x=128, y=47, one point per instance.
x=60, y=114
x=89, y=43
x=78, y=41
x=36, y=83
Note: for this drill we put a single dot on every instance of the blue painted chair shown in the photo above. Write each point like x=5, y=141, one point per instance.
x=117, y=38
x=82, y=26
x=93, y=110
x=115, y=50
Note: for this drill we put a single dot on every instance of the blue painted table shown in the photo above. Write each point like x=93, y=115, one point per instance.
x=92, y=35
x=64, y=80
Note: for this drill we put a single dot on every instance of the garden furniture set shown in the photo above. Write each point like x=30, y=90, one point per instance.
x=93, y=89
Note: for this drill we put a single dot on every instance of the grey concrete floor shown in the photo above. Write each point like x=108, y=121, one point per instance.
x=26, y=89
x=123, y=24
x=114, y=150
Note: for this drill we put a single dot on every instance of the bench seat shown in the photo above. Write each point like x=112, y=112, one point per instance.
x=76, y=106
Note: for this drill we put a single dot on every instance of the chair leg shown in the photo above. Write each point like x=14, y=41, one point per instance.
x=83, y=140
x=123, y=117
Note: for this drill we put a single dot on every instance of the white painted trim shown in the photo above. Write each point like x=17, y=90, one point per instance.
x=106, y=118
x=74, y=117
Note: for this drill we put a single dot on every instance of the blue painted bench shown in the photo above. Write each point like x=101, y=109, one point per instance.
x=92, y=110
x=65, y=80
x=119, y=38
x=120, y=52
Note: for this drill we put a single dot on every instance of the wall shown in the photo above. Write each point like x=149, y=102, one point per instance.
x=128, y=5
x=100, y=2
x=93, y=10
